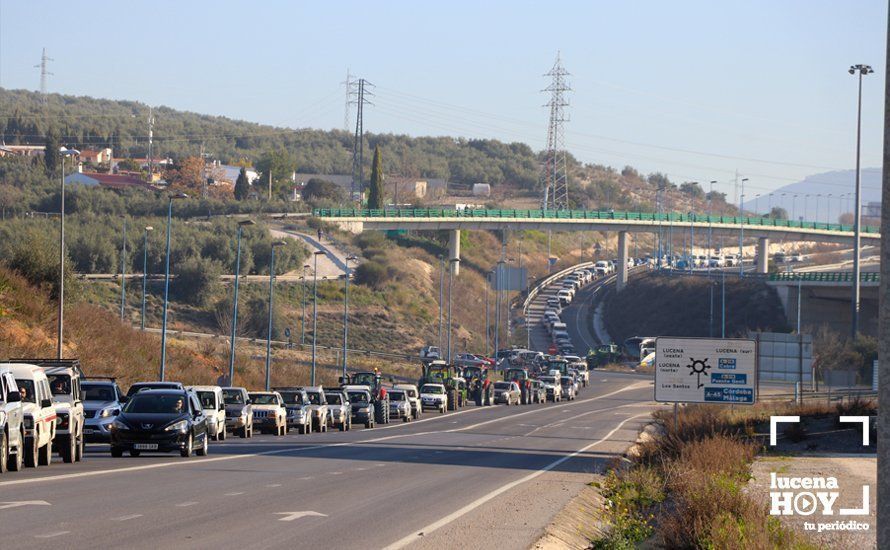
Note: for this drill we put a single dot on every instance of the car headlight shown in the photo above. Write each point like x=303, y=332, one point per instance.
x=118, y=425
x=365, y=410
x=109, y=411
x=180, y=426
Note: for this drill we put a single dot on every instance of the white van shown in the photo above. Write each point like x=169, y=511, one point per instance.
x=565, y=296
x=39, y=412
x=211, y=399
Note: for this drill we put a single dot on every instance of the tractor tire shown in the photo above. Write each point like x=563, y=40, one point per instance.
x=479, y=396
x=452, y=399
x=523, y=395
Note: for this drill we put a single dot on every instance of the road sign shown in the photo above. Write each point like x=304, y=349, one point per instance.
x=704, y=370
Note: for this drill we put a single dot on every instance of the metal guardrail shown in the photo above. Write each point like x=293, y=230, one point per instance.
x=545, y=282
x=581, y=215
x=829, y=396
x=826, y=277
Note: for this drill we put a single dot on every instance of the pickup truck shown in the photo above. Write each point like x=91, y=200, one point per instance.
x=64, y=376
x=12, y=427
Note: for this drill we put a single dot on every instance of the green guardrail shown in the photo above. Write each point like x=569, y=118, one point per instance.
x=581, y=215
x=826, y=277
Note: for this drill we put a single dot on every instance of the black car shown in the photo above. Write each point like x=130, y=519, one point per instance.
x=162, y=421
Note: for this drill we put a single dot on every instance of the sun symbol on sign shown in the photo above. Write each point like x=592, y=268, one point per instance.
x=698, y=367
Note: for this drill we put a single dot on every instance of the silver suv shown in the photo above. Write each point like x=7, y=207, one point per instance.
x=318, y=405
x=299, y=415
x=101, y=405
x=339, y=410
x=239, y=412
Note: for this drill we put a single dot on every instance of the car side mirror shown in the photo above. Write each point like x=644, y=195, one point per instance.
x=124, y=399
x=13, y=397
x=222, y=407
x=247, y=401
x=46, y=403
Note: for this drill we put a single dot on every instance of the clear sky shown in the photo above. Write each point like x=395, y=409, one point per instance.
x=695, y=89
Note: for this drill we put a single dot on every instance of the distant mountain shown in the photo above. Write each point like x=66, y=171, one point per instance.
x=839, y=185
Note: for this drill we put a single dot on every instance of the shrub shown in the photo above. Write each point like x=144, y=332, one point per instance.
x=371, y=273
x=197, y=280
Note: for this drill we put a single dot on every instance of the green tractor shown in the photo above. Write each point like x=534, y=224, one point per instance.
x=557, y=363
x=603, y=355
x=479, y=385
x=523, y=380
x=440, y=372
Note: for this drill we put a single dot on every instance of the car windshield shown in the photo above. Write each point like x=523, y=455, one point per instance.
x=292, y=397
x=315, y=398
x=567, y=380
x=333, y=398
x=97, y=392
x=502, y=385
x=433, y=389
x=366, y=379
x=263, y=399
x=26, y=388
x=233, y=397
x=156, y=404
x=135, y=388
x=358, y=397
x=208, y=400
x=59, y=384
x=396, y=396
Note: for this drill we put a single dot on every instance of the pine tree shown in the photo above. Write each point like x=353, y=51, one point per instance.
x=242, y=186
x=51, y=153
x=375, y=196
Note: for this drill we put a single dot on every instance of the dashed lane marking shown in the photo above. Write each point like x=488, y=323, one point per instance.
x=186, y=504
x=51, y=535
x=127, y=518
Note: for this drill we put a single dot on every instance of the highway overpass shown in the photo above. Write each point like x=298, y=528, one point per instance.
x=443, y=219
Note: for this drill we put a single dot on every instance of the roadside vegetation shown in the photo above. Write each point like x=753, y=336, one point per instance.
x=684, y=486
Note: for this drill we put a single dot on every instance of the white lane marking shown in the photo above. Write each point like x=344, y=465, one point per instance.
x=336, y=473
x=51, y=535
x=16, y=504
x=143, y=467
x=186, y=504
x=234, y=494
x=273, y=485
x=360, y=469
x=127, y=518
x=304, y=478
x=414, y=537
x=290, y=516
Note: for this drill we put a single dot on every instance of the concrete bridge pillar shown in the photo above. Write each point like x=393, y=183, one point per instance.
x=454, y=250
x=621, y=282
x=763, y=255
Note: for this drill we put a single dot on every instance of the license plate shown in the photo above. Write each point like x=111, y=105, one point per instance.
x=145, y=446
x=88, y=432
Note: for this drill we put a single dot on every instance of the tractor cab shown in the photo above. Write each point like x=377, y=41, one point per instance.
x=440, y=372
x=479, y=384
x=523, y=380
x=559, y=364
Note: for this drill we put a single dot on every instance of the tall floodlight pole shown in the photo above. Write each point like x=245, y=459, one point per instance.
x=349, y=258
x=862, y=70
x=167, y=285
x=314, y=315
x=487, y=318
x=148, y=228
x=234, y=332
x=882, y=522
x=64, y=152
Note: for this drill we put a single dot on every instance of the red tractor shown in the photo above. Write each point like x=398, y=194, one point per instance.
x=479, y=386
x=522, y=378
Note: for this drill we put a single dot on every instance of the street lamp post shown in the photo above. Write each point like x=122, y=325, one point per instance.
x=241, y=226
x=349, y=258
x=314, y=314
x=857, y=200
x=148, y=228
x=450, y=295
x=64, y=152
x=441, y=297
x=275, y=245
x=742, y=230
x=124, y=270
x=303, y=300
x=167, y=284
x=487, y=319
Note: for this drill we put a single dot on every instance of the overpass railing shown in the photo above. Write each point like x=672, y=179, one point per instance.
x=433, y=213
x=825, y=277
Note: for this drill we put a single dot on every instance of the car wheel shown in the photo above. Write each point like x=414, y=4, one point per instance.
x=66, y=449
x=222, y=435
x=31, y=453
x=302, y=429
x=117, y=452
x=342, y=426
x=4, y=453
x=242, y=432
x=18, y=464
x=368, y=425
x=406, y=418
x=45, y=455
x=79, y=451
x=205, y=448
x=134, y=453
x=186, y=451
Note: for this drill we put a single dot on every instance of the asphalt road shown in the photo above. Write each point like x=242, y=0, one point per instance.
x=479, y=478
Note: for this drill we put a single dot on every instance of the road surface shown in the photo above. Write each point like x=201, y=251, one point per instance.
x=478, y=478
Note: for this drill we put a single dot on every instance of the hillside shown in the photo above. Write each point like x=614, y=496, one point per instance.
x=511, y=168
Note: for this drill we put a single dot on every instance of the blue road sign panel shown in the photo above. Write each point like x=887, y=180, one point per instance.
x=729, y=395
x=729, y=378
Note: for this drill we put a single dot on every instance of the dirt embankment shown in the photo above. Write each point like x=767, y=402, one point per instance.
x=664, y=305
